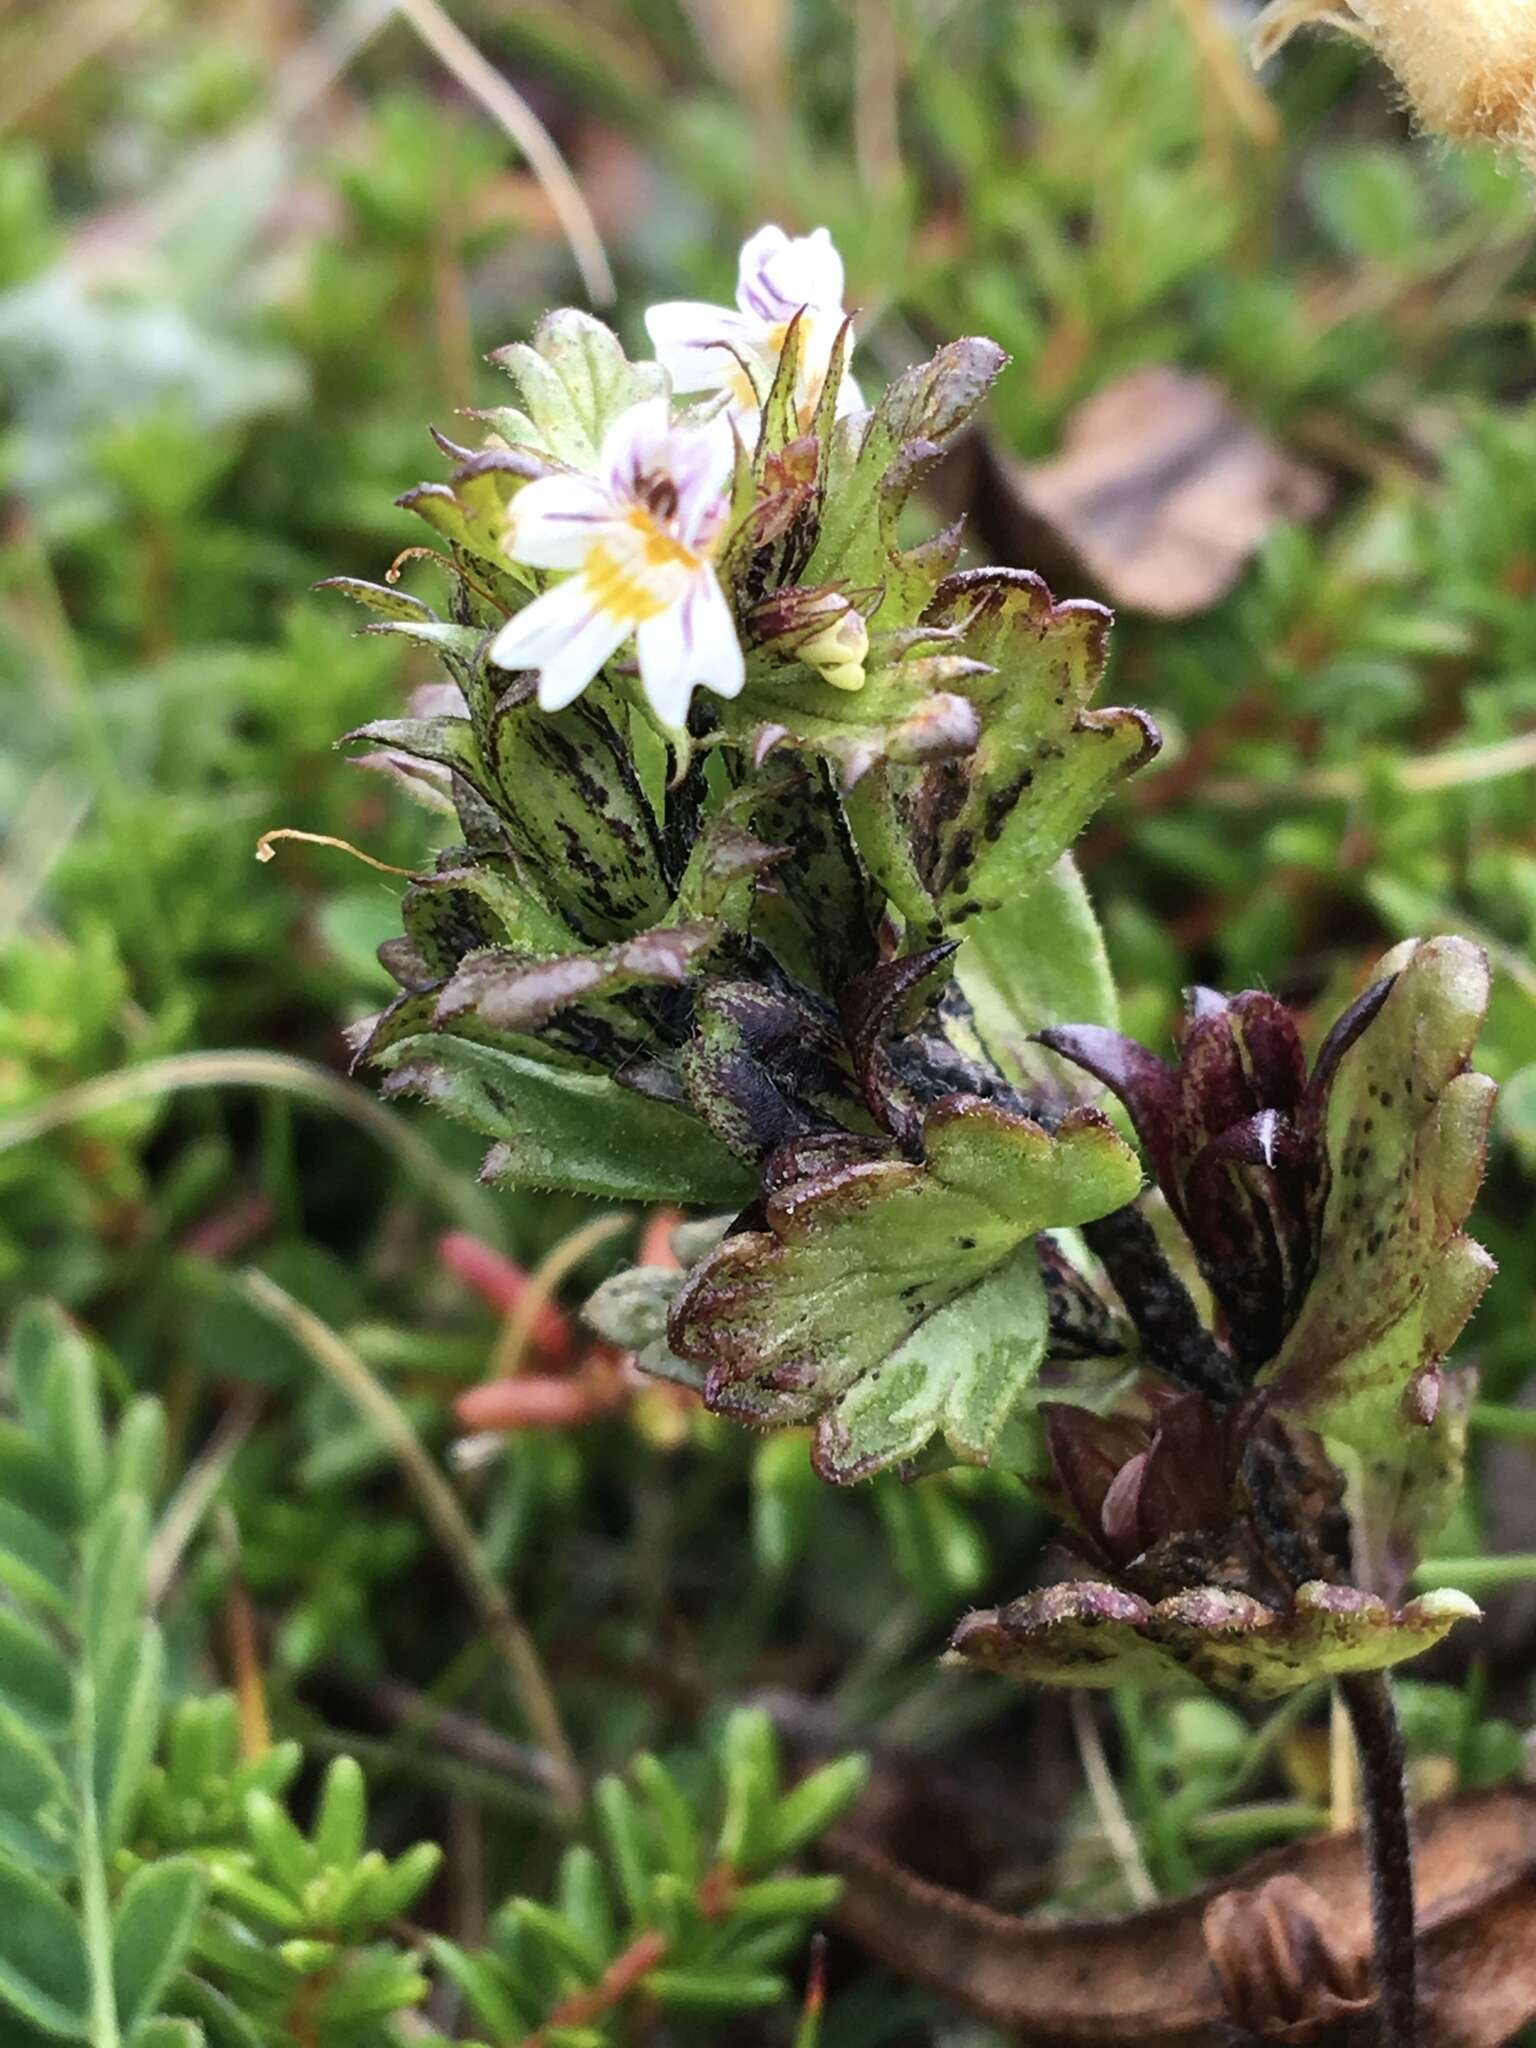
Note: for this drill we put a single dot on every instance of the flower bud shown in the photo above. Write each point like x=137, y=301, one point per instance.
x=839, y=650
x=822, y=628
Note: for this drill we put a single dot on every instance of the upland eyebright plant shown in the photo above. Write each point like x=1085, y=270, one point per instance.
x=766, y=808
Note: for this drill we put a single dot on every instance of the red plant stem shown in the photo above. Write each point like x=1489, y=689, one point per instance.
x=502, y=1284
x=713, y=1896
x=1389, y=1846
x=642, y=1956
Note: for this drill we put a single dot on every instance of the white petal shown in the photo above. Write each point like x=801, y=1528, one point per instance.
x=566, y=674
x=635, y=445
x=698, y=345
x=780, y=274
x=817, y=269
x=691, y=645
x=565, y=636
x=700, y=461
x=553, y=521
x=757, y=252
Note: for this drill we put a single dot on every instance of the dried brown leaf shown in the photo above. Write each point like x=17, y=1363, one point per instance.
x=1290, y=1944
x=1161, y=494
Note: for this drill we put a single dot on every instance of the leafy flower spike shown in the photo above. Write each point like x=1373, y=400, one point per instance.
x=640, y=537
x=715, y=348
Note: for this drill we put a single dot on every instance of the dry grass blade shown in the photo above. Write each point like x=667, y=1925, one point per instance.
x=197, y=1493
x=50, y=815
x=483, y=82
x=301, y=1079
x=74, y=36
x=440, y=1505
x=1238, y=91
x=1456, y=768
x=567, y=1255
x=1108, y=1805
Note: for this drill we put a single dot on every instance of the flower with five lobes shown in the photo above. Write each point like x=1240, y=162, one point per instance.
x=717, y=348
x=639, y=537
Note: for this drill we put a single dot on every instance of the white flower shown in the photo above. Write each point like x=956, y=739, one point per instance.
x=640, y=537
x=715, y=348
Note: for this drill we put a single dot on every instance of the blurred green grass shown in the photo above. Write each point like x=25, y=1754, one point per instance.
x=243, y=264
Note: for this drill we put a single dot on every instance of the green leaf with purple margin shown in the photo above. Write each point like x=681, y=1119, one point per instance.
x=1086, y=1634
x=890, y=1301
x=987, y=827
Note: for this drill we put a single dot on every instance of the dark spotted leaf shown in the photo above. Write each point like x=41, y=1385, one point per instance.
x=382, y=599
x=987, y=827
x=567, y=790
x=1405, y=1133
x=507, y=991
x=766, y=1066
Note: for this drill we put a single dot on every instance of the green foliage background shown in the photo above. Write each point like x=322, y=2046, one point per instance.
x=240, y=269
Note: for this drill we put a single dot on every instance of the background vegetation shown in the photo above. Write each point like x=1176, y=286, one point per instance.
x=247, y=252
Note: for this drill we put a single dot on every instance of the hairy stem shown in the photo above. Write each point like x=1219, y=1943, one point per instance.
x=1379, y=1738
x=95, y=1905
x=1160, y=1305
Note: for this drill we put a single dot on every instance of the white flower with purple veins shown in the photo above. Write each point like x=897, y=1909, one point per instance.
x=639, y=538
x=714, y=348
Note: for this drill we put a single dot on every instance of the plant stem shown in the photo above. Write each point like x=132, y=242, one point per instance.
x=1477, y=1574
x=1171, y=1868
x=95, y=1906
x=1173, y=1336
x=1114, y=1821
x=1389, y=1847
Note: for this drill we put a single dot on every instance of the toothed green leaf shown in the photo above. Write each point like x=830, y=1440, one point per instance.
x=891, y=1301
x=565, y=1126
x=1085, y=1634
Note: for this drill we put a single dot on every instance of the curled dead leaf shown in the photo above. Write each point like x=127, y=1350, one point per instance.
x=1285, y=1958
x=1283, y=1972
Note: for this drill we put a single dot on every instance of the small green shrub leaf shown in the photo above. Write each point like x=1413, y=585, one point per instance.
x=31, y=1479
x=342, y=1823
x=813, y=1805
x=34, y=1677
x=151, y=1932
x=44, y=1972
x=128, y=1706
x=116, y=1552
x=34, y=1801
x=163, y=2033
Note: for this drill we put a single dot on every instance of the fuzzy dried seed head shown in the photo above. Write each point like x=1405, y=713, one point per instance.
x=1467, y=66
